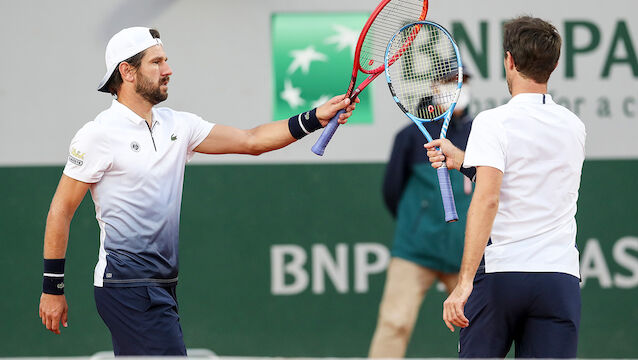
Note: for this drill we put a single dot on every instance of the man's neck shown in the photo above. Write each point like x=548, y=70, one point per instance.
x=138, y=105
x=526, y=86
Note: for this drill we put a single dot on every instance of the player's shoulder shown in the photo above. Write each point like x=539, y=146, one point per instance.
x=166, y=112
x=570, y=117
x=94, y=128
x=181, y=119
x=97, y=130
x=499, y=111
x=103, y=120
x=494, y=116
x=92, y=137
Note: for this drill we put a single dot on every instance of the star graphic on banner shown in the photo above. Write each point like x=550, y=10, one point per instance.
x=303, y=58
x=292, y=95
x=345, y=37
x=322, y=100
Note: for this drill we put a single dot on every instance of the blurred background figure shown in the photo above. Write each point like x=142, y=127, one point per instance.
x=425, y=247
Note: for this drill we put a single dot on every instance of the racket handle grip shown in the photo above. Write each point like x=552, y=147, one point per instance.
x=320, y=146
x=446, y=194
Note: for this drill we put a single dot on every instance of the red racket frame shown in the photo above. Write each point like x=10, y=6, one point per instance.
x=352, y=93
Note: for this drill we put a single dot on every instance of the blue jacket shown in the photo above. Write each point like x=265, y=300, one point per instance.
x=411, y=193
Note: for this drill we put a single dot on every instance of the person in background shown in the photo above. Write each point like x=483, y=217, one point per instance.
x=425, y=247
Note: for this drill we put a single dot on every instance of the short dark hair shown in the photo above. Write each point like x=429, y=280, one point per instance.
x=534, y=45
x=115, y=81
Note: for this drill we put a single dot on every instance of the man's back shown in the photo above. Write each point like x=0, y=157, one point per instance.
x=540, y=148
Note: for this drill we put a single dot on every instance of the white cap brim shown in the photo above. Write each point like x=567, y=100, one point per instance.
x=102, y=86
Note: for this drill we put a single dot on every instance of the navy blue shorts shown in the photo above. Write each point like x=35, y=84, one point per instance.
x=142, y=320
x=539, y=312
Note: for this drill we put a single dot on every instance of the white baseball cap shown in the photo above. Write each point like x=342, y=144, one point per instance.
x=122, y=46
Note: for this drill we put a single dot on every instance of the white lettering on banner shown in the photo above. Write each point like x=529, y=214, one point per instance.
x=363, y=269
x=593, y=264
x=279, y=268
x=288, y=262
x=322, y=262
x=289, y=267
x=623, y=257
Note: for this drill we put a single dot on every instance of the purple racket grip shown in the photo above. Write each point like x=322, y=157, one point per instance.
x=446, y=194
x=320, y=146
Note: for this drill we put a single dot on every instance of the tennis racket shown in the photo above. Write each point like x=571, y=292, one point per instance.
x=425, y=82
x=388, y=16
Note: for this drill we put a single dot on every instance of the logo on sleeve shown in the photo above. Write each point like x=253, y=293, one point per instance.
x=76, y=157
x=173, y=137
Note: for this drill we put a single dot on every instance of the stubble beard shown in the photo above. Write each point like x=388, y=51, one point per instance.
x=151, y=91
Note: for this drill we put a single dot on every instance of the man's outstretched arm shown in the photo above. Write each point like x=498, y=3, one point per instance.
x=224, y=139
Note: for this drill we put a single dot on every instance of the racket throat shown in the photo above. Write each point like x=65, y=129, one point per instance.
x=354, y=95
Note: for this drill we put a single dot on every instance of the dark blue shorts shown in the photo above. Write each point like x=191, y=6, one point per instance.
x=539, y=312
x=142, y=320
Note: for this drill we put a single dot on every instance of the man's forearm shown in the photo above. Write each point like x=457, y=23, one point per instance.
x=480, y=218
x=56, y=235
x=270, y=136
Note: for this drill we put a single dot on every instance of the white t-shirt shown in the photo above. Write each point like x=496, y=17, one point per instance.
x=137, y=175
x=540, y=148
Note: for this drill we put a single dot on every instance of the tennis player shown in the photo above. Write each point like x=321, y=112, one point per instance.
x=519, y=277
x=132, y=158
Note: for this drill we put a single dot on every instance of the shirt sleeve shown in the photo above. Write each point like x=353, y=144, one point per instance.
x=486, y=144
x=89, y=155
x=198, y=131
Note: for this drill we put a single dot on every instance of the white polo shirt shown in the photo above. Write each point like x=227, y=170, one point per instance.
x=540, y=148
x=137, y=175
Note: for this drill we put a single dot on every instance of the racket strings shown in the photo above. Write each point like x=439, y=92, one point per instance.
x=393, y=16
x=425, y=76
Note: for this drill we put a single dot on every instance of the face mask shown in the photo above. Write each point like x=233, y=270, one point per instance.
x=464, y=98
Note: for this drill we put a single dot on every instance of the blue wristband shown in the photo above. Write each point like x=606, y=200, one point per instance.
x=303, y=124
x=53, y=277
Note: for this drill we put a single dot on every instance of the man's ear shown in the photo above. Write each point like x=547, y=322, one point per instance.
x=126, y=71
x=509, y=61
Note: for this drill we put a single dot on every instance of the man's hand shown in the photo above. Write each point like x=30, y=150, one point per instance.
x=453, y=307
x=329, y=109
x=452, y=155
x=53, y=309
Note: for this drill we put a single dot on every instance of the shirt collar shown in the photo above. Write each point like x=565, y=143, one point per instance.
x=533, y=98
x=126, y=112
